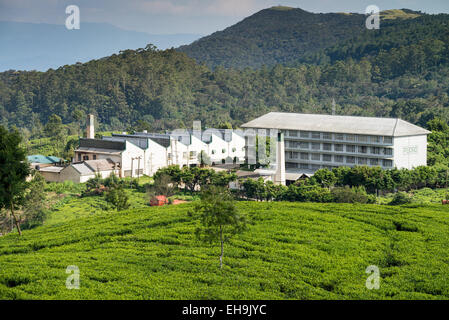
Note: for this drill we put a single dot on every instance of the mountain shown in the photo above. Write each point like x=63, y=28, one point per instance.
x=281, y=35
x=401, y=70
x=33, y=46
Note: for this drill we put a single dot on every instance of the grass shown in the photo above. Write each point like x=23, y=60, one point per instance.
x=421, y=196
x=290, y=251
x=397, y=14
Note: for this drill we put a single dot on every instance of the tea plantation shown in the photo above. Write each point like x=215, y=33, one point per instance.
x=290, y=251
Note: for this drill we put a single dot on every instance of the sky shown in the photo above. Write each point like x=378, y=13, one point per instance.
x=186, y=16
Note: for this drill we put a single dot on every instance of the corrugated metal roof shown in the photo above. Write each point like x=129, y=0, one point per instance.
x=337, y=124
x=100, y=164
x=82, y=168
x=102, y=144
x=161, y=139
x=51, y=169
x=38, y=158
x=97, y=150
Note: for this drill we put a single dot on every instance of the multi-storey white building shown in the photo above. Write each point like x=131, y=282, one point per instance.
x=314, y=141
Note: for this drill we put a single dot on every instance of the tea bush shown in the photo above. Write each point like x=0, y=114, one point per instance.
x=290, y=251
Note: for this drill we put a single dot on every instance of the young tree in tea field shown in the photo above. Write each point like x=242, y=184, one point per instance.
x=219, y=217
x=118, y=198
x=14, y=169
x=34, y=209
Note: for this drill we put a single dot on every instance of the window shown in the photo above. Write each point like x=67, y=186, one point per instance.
x=388, y=151
x=339, y=136
x=223, y=150
x=304, y=134
x=293, y=155
x=374, y=162
x=327, y=157
x=169, y=156
x=95, y=157
x=361, y=138
x=338, y=147
x=213, y=151
x=338, y=158
x=85, y=158
x=327, y=136
x=290, y=165
x=79, y=157
x=316, y=135
x=193, y=154
x=362, y=149
x=292, y=133
x=315, y=146
x=316, y=156
x=304, y=166
x=387, y=163
x=304, y=156
x=350, y=148
x=184, y=155
x=304, y=145
x=350, y=159
x=316, y=167
x=327, y=146
x=234, y=149
x=362, y=160
x=375, y=139
x=375, y=150
x=388, y=140
x=350, y=137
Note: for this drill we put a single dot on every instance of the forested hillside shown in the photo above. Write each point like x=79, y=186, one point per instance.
x=400, y=70
x=288, y=36
x=276, y=35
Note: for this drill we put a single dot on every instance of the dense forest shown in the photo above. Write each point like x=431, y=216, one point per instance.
x=397, y=71
x=277, y=35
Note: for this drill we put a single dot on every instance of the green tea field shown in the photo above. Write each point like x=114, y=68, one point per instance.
x=290, y=251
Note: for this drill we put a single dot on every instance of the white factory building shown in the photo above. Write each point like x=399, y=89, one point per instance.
x=142, y=153
x=313, y=141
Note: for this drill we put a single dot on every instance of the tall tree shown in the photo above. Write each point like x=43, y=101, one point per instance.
x=219, y=217
x=14, y=169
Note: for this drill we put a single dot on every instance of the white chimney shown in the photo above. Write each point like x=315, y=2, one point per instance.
x=90, y=127
x=279, y=176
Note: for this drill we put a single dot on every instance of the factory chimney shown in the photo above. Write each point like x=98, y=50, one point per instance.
x=279, y=176
x=90, y=127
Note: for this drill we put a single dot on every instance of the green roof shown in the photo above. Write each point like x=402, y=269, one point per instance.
x=38, y=158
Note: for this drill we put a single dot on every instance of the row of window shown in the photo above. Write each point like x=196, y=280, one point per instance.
x=359, y=161
x=193, y=154
x=339, y=148
x=339, y=136
x=339, y=158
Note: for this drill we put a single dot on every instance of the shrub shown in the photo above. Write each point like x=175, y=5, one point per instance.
x=400, y=198
x=351, y=195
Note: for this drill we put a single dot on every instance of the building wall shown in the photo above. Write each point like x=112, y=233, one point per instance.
x=236, y=147
x=128, y=163
x=50, y=176
x=310, y=151
x=215, y=149
x=155, y=157
x=410, y=152
x=70, y=174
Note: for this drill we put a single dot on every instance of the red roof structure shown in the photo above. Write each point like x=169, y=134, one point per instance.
x=158, y=201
